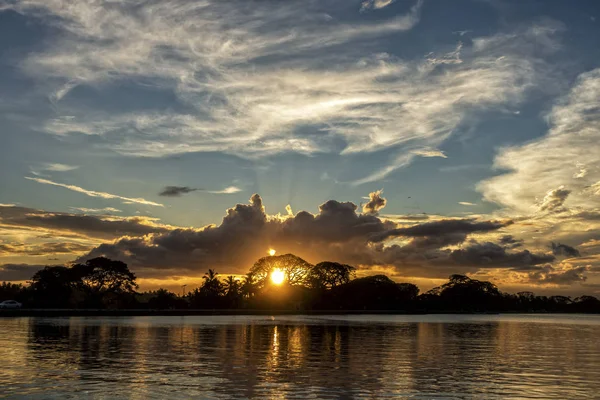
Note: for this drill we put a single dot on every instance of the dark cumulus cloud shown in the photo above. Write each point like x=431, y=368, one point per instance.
x=559, y=249
x=490, y=254
x=88, y=225
x=244, y=234
x=411, y=217
x=18, y=272
x=176, y=191
x=510, y=242
x=550, y=275
x=443, y=227
x=376, y=202
x=337, y=231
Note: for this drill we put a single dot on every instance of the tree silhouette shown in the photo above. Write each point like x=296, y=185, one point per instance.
x=163, y=299
x=210, y=294
x=464, y=293
x=212, y=286
x=233, y=293
x=12, y=291
x=102, y=283
x=328, y=274
x=377, y=292
x=232, y=286
x=102, y=275
x=296, y=270
x=248, y=288
x=52, y=287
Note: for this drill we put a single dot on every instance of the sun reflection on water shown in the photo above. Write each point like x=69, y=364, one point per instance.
x=260, y=357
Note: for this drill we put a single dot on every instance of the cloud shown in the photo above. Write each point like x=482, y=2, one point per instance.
x=466, y=203
x=337, y=231
x=559, y=249
x=289, y=210
x=442, y=228
x=406, y=217
x=429, y=153
x=582, y=171
x=550, y=275
x=456, y=168
x=259, y=76
x=376, y=4
x=87, y=225
x=550, y=167
x=93, y=193
x=491, y=255
x=18, y=272
x=243, y=236
x=42, y=249
x=510, y=242
x=376, y=202
x=176, y=191
x=96, y=210
x=227, y=190
x=56, y=167
x=554, y=199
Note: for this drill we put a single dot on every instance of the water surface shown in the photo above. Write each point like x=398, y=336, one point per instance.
x=431, y=356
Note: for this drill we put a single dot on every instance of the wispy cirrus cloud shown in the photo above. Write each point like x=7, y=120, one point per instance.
x=375, y=4
x=96, y=210
x=51, y=167
x=93, y=193
x=256, y=77
x=57, y=167
x=429, y=153
x=547, y=173
x=227, y=190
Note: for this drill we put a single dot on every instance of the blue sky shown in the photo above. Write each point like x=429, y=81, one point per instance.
x=473, y=110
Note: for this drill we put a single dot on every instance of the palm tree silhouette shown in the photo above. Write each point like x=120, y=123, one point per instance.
x=248, y=285
x=231, y=285
x=210, y=276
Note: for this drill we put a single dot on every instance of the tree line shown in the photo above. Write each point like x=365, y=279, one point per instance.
x=101, y=283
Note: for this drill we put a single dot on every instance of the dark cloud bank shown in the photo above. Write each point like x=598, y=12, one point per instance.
x=87, y=225
x=336, y=232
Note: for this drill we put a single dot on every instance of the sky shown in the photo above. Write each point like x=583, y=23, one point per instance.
x=415, y=138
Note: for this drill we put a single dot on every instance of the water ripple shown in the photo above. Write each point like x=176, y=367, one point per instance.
x=329, y=357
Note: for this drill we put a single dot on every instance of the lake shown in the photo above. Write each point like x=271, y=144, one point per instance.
x=378, y=356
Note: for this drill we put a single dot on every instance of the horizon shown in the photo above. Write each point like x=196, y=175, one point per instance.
x=405, y=138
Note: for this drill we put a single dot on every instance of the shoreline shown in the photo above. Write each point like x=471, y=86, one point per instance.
x=227, y=312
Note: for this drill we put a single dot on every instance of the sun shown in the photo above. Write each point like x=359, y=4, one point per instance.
x=271, y=252
x=277, y=276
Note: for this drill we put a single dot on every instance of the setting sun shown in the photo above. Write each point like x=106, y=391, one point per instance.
x=277, y=276
x=271, y=252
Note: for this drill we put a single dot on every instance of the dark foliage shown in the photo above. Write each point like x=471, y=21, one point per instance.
x=105, y=283
x=327, y=275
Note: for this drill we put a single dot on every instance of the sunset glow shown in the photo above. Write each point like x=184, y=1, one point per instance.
x=277, y=276
x=271, y=252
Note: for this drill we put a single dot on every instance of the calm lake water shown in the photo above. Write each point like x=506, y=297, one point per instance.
x=441, y=357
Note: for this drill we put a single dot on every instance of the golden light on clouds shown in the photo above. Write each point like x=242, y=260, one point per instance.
x=277, y=276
